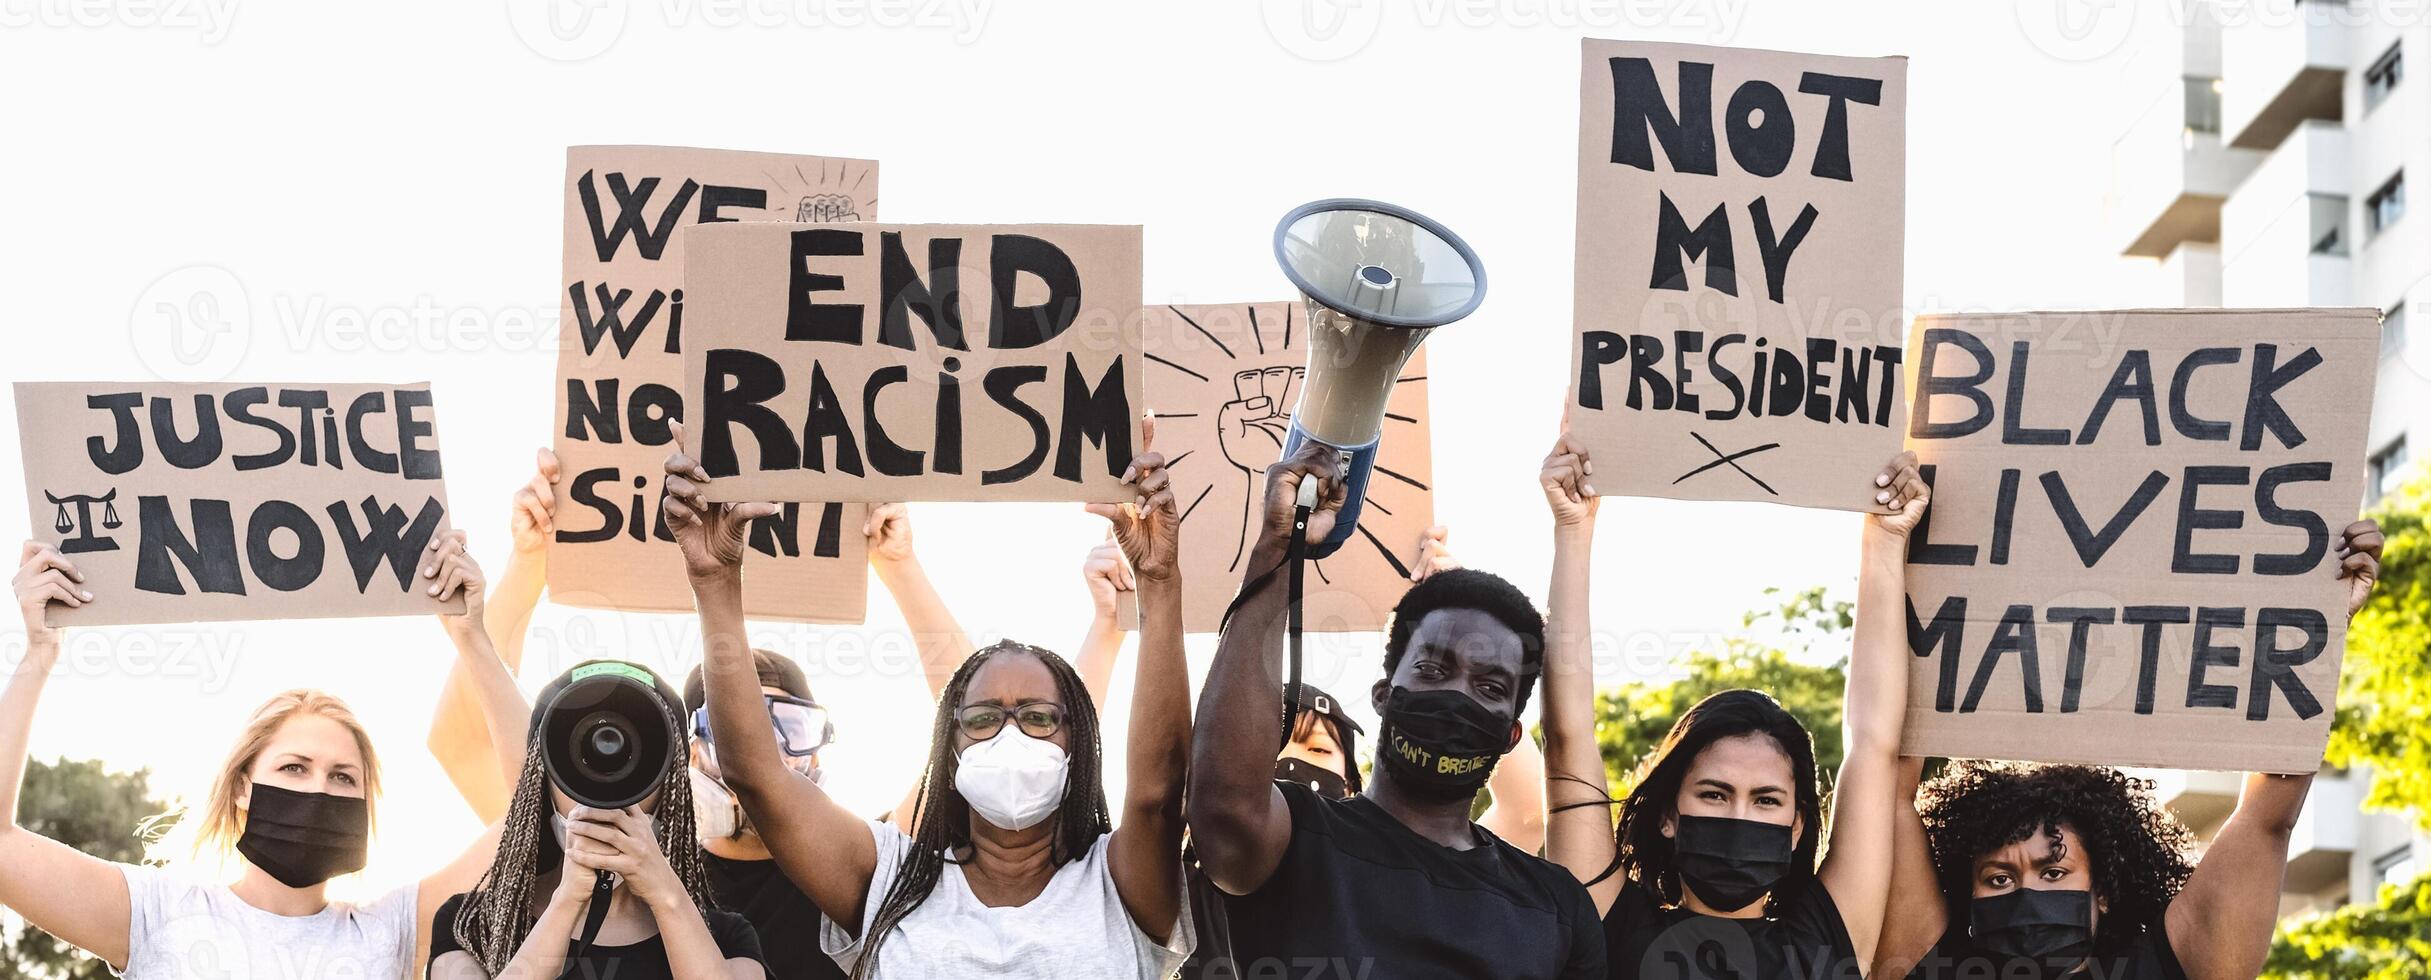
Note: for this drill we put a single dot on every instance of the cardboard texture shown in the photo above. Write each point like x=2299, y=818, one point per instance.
x=1222, y=380
x=877, y=362
x=2121, y=502
x=207, y=502
x=620, y=377
x=1737, y=289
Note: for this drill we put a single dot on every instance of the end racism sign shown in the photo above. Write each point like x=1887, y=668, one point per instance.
x=1223, y=380
x=2130, y=558
x=186, y=503
x=628, y=212
x=873, y=362
x=1737, y=288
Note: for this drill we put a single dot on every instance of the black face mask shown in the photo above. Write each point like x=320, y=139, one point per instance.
x=304, y=839
x=2052, y=929
x=1731, y=863
x=1441, y=745
x=1326, y=783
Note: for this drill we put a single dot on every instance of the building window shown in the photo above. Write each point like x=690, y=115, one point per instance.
x=2388, y=468
x=2382, y=78
x=2393, y=330
x=2329, y=224
x=2202, y=105
x=2396, y=867
x=2386, y=205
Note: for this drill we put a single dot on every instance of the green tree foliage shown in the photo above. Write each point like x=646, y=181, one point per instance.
x=2387, y=940
x=93, y=810
x=1769, y=654
x=2384, y=702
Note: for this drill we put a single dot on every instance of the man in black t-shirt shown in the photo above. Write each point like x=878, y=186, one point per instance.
x=743, y=878
x=1394, y=881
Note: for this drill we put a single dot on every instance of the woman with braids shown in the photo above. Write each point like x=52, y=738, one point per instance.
x=2010, y=870
x=1010, y=868
x=1712, y=872
x=526, y=918
x=291, y=807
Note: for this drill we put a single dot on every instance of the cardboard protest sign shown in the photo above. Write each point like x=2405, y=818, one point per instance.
x=879, y=362
x=1222, y=380
x=1737, y=290
x=204, y=502
x=620, y=377
x=2131, y=554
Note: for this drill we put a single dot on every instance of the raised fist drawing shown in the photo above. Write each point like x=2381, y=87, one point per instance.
x=1250, y=430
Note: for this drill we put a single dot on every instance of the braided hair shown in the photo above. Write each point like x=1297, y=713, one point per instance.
x=943, y=822
x=499, y=912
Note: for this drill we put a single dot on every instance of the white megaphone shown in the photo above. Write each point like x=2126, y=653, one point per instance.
x=1377, y=279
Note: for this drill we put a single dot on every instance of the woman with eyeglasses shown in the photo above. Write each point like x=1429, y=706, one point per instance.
x=1012, y=867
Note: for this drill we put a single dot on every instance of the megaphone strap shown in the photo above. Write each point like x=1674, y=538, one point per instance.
x=1295, y=555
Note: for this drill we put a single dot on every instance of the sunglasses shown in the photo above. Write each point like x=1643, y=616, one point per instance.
x=1037, y=719
x=802, y=726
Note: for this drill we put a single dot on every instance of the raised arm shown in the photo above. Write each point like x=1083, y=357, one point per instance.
x=1917, y=915
x=1578, y=801
x=1857, y=866
x=458, y=738
x=826, y=850
x=939, y=638
x=59, y=889
x=1110, y=584
x=449, y=569
x=1239, y=822
x=1146, y=853
x=2220, y=923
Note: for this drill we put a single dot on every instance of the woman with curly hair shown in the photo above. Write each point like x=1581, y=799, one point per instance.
x=1011, y=865
x=1713, y=871
x=2043, y=871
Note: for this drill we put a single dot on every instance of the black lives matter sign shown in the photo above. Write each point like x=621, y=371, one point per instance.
x=1737, y=288
x=2131, y=554
x=196, y=502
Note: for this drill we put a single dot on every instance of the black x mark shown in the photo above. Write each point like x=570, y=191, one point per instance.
x=1732, y=461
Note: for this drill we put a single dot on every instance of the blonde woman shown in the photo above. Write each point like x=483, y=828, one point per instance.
x=291, y=807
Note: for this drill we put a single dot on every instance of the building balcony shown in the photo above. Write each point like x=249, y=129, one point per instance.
x=2200, y=799
x=2321, y=851
x=2284, y=235
x=2169, y=173
x=2281, y=65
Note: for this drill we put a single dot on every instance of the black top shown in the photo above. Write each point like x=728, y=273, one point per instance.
x=1357, y=891
x=1805, y=940
x=787, y=922
x=2146, y=957
x=645, y=960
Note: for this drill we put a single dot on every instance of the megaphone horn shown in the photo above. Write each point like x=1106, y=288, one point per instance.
x=1377, y=280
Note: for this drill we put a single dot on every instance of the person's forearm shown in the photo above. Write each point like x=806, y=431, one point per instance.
x=1238, y=728
x=17, y=718
x=458, y=725
x=691, y=950
x=1159, y=753
x=1577, y=800
x=738, y=717
x=1876, y=705
x=543, y=953
x=2271, y=804
x=503, y=711
x=935, y=634
x=1099, y=649
x=512, y=601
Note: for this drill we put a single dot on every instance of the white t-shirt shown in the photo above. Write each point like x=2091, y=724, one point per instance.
x=184, y=929
x=1076, y=929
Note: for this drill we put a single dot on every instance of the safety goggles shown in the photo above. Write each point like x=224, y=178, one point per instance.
x=802, y=726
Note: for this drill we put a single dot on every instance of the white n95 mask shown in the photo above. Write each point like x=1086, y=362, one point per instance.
x=1013, y=781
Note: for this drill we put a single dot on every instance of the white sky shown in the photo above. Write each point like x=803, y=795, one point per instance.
x=332, y=165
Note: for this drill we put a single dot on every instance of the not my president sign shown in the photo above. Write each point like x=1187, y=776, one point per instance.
x=197, y=502
x=2131, y=554
x=874, y=362
x=1737, y=288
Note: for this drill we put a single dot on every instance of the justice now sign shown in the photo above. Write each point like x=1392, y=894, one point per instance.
x=2131, y=554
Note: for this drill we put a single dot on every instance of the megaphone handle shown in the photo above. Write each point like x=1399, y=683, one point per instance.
x=603, y=888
